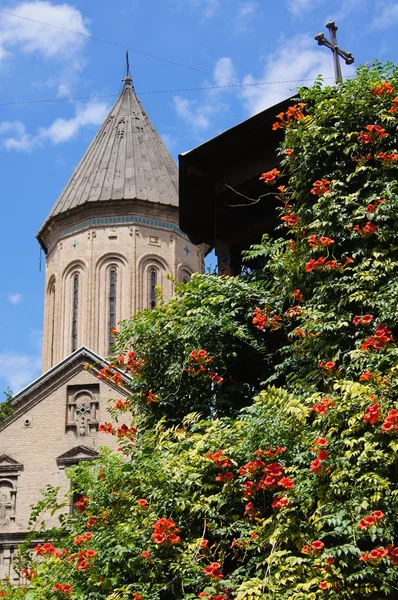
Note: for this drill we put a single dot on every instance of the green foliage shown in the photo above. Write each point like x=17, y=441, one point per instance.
x=294, y=495
x=6, y=409
x=211, y=313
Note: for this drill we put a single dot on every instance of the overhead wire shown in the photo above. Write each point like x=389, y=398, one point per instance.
x=136, y=50
x=111, y=43
x=171, y=91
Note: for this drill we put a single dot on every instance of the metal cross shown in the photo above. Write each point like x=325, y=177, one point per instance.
x=347, y=56
x=187, y=250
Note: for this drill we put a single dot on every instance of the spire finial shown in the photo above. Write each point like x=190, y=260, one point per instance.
x=347, y=56
x=128, y=78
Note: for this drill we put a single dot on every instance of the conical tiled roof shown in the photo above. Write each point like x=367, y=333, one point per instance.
x=126, y=160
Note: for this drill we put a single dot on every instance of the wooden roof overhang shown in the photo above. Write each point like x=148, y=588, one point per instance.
x=212, y=213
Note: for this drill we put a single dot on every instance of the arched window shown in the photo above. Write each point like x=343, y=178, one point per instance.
x=153, y=279
x=111, y=305
x=75, y=310
x=52, y=323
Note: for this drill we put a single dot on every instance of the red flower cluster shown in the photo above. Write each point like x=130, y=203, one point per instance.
x=279, y=502
x=223, y=477
x=142, y=502
x=270, y=176
x=273, y=477
x=321, y=242
x=379, y=340
x=220, y=459
x=288, y=151
x=321, y=186
x=82, y=556
x=46, y=549
x=388, y=158
x=28, y=574
x=121, y=405
x=390, y=425
x=371, y=520
x=213, y=570
x=365, y=320
x=108, y=374
x=376, y=133
x=137, y=597
x=362, y=159
x=371, y=415
x=151, y=397
x=250, y=469
x=250, y=510
x=293, y=312
x=271, y=452
x=82, y=539
x=107, y=428
x=200, y=357
x=81, y=504
x=298, y=295
x=216, y=597
x=366, y=376
x=371, y=207
x=134, y=364
x=312, y=264
x=293, y=113
x=64, y=588
x=393, y=109
x=383, y=88
x=215, y=377
x=375, y=556
x=316, y=465
x=323, y=406
x=266, y=318
x=124, y=431
x=328, y=367
x=290, y=219
x=368, y=230
x=316, y=547
x=91, y=522
x=164, y=532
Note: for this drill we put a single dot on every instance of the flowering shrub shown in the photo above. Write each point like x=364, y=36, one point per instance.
x=294, y=495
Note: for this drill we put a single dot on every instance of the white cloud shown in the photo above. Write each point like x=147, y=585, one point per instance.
x=298, y=7
x=386, y=15
x=19, y=369
x=20, y=35
x=296, y=59
x=198, y=114
x=207, y=8
x=15, y=298
x=245, y=15
x=60, y=131
x=30, y=37
x=169, y=140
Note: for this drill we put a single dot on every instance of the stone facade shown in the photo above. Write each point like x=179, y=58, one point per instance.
x=55, y=425
x=143, y=248
x=112, y=244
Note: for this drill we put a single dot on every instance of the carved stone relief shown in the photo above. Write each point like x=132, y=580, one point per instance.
x=82, y=409
x=9, y=473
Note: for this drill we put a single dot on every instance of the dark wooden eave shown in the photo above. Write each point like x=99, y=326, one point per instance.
x=236, y=158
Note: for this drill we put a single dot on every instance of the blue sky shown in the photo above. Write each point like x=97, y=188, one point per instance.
x=231, y=41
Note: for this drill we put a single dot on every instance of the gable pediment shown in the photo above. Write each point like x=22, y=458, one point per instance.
x=61, y=374
x=76, y=455
x=9, y=465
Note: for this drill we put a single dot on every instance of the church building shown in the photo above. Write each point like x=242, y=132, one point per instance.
x=111, y=240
